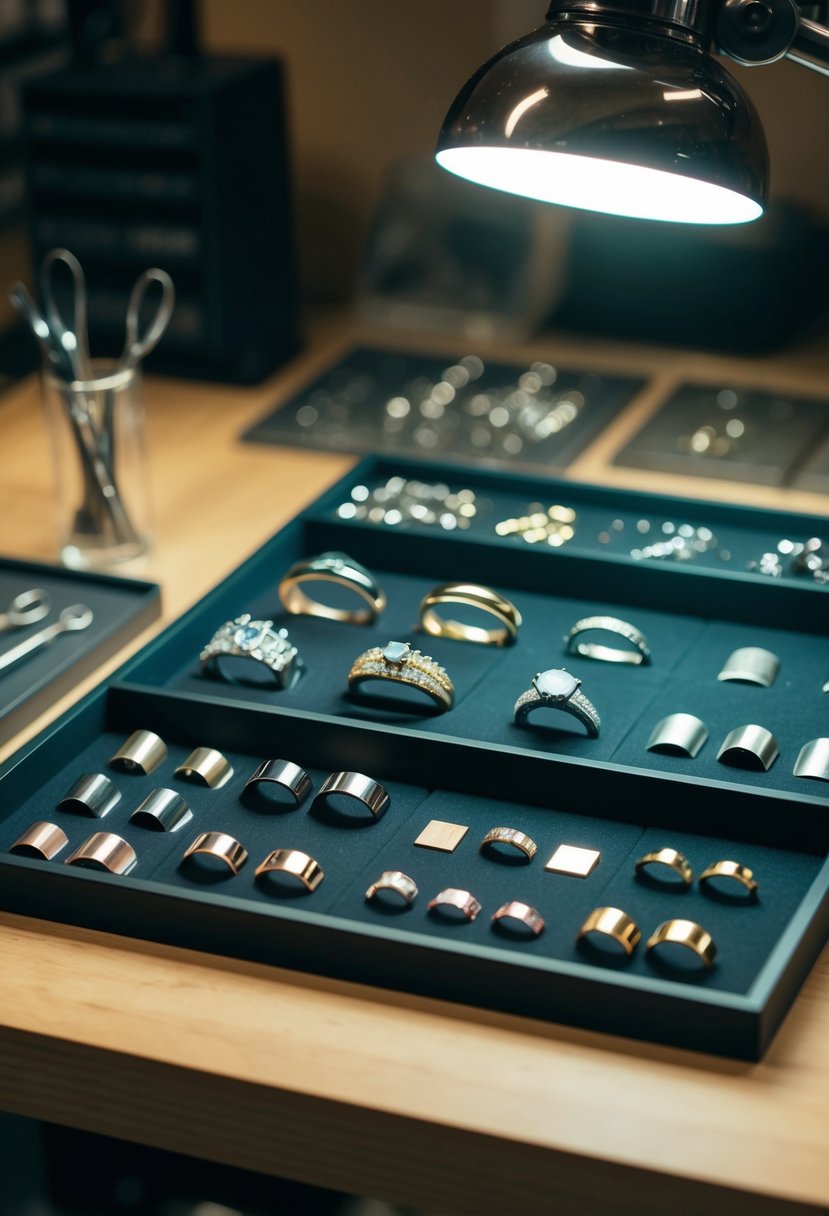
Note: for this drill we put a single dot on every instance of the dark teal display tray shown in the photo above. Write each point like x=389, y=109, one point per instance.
x=475, y=767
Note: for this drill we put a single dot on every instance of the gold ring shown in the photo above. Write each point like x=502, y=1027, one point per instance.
x=295, y=862
x=452, y=897
x=473, y=596
x=220, y=845
x=336, y=568
x=206, y=766
x=41, y=839
x=142, y=752
x=516, y=910
x=396, y=881
x=402, y=665
x=685, y=933
x=733, y=870
x=511, y=836
x=613, y=922
x=105, y=851
x=672, y=860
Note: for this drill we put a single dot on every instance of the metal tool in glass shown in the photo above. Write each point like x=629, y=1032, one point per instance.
x=557, y=689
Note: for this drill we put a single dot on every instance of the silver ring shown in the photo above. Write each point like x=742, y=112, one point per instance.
x=336, y=568
x=749, y=747
x=608, y=654
x=678, y=734
x=751, y=665
x=92, y=794
x=557, y=689
x=257, y=642
x=813, y=760
x=396, y=881
x=285, y=775
x=162, y=810
x=369, y=793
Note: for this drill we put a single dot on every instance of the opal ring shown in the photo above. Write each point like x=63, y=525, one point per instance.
x=402, y=665
x=337, y=568
x=557, y=689
x=245, y=651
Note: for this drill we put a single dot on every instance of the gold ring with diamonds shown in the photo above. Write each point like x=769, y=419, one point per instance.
x=402, y=665
x=470, y=595
x=336, y=568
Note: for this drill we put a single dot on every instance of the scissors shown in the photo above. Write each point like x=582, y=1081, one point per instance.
x=25, y=609
x=138, y=345
x=72, y=339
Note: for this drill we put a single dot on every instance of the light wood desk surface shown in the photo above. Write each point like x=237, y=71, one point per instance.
x=448, y=1108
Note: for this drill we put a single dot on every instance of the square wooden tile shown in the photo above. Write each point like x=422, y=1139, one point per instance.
x=578, y=863
x=444, y=837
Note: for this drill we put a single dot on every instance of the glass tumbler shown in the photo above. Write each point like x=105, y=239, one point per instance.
x=98, y=444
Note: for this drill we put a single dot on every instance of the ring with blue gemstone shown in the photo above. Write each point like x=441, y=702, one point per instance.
x=557, y=689
x=246, y=651
x=401, y=664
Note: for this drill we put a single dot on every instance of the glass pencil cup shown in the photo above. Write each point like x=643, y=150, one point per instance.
x=97, y=436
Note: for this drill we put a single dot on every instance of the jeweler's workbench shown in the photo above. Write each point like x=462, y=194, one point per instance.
x=376, y=1092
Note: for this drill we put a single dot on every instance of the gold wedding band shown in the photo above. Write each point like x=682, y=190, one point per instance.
x=471, y=595
x=294, y=862
x=221, y=846
x=614, y=923
x=685, y=933
x=205, y=766
x=336, y=568
x=670, y=858
x=142, y=752
x=732, y=870
x=511, y=836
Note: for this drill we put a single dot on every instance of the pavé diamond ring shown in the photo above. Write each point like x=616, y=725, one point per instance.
x=402, y=665
x=575, y=643
x=557, y=689
x=245, y=651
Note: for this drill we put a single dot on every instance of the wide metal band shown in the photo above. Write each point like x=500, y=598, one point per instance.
x=42, y=839
x=92, y=794
x=613, y=923
x=206, y=766
x=751, y=665
x=105, y=851
x=402, y=665
x=256, y=642
x=608, y=654
x=221, y=846
x=470, y=595
x=142, y=752
x=336, y=568
x=365, y=790
x=163, y=811
x=650, y=865
x=749, y=746
x=678, y=734
x=685, y=933
x=285, y=775
x=733, y=871
x=526, y=915
x=294, y=862
x=813, y=760
x=397, y=882
x=453, y=897
x=509, y=836
x=572, y=701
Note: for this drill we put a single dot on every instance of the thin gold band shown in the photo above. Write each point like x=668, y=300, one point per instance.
x=473, y=596
x=336, y=568
x=671, y=858
x=731, y=869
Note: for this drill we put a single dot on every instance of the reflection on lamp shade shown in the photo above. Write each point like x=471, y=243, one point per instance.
x=610, y=118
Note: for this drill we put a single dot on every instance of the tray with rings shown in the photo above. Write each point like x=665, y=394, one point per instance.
x=564, y=782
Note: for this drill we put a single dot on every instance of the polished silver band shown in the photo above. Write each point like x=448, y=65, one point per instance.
x=813, y=760
x=92, y=794
x=256, y=641
x=285, y=775
x=142, y=752
x=557, y=689
x=453, y=897
x=163, y=811
x=608, y=654
x=751, y=665
x=336, y=568
x=369, y=793
x=678, y=734
x=397, y=882
x=749, y=746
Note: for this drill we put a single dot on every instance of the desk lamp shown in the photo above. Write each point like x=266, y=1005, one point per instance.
x=619, y=106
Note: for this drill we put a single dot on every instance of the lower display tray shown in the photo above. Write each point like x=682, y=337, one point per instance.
x=765, y=943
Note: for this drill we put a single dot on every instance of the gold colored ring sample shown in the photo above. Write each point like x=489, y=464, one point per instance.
x=613, y=922
x=396, y=881
x=471, y=595
x=672, y=859
x=733, y=870
x=336, y=568
x=685, y=933
x=516, y=910
x=206, y=766
x=105, y=851
x=41, y=839
x=142, y=752
x=221, y=846
x=511, y=836
x=295, y=862
x=402, y=665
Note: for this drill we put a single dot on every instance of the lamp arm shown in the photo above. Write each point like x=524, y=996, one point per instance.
x=810, y=47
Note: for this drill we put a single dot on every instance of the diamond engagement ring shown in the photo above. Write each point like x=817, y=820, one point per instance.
x=639, y=655
x=245, y=651
x=402, y=665
x=557, y=689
